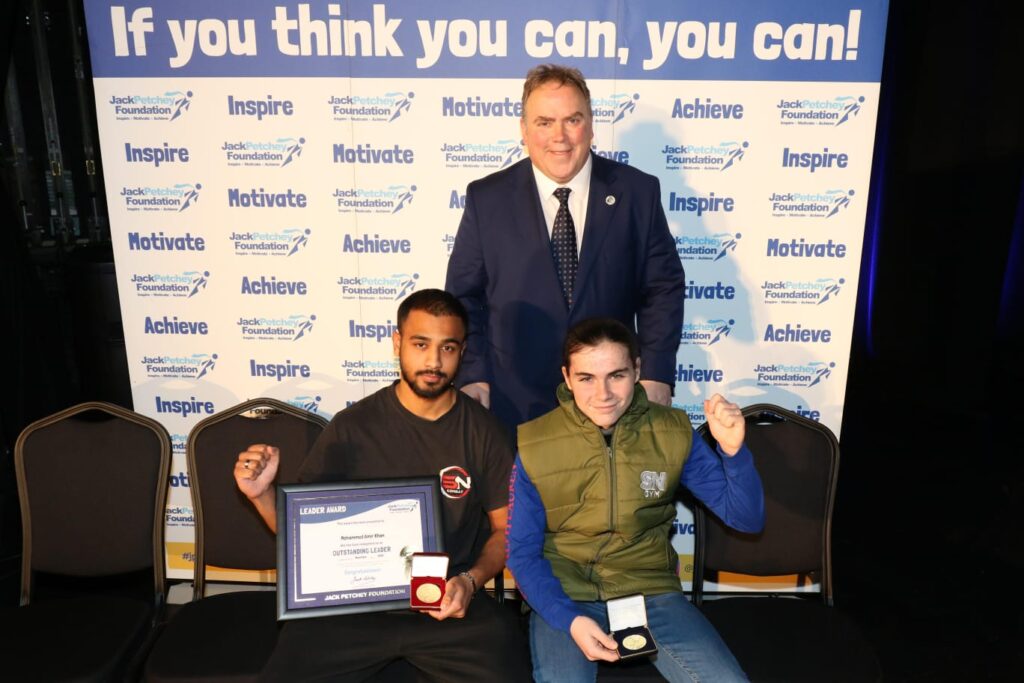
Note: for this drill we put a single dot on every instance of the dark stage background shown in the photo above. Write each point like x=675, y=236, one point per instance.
x=929, y=518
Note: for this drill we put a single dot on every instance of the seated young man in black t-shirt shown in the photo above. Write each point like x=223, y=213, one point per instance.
x=418, y=426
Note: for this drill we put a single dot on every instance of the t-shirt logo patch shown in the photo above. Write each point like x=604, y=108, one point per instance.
x=653, y=483
x=455, y=482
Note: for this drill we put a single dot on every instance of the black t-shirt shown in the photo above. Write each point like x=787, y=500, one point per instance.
x=467, y=447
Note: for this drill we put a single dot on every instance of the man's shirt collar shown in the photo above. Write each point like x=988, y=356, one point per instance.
x=580, y=184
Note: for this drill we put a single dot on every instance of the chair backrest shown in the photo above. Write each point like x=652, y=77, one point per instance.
x=92, y=481
x=798, y=461
x=229, y=531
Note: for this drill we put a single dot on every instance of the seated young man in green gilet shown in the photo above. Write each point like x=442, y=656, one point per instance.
x=592, y=506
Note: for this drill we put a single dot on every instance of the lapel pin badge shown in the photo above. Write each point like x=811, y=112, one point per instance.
x=609, y=200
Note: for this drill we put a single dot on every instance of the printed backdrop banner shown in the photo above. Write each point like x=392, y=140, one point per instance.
x=280, y=175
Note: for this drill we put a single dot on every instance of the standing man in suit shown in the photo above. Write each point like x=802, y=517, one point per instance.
x=562, y=236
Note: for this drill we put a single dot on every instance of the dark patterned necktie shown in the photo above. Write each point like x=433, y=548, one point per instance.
x=563, y=245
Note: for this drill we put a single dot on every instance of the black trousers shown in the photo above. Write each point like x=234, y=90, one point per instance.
x=486, y=645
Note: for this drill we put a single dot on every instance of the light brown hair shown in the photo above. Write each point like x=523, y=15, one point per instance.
x=555, y=73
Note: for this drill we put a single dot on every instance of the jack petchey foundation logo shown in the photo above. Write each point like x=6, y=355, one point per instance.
x=808, y=111
x=284, y=328
x=807, y=375
x=171, y=105
x=287, y=242
x=357, y=370
x=709, y=248
x=392, y=287
x=706, y=333
x=385, y=107
x=387, y=200
x=720, y=156
x=805, y=292
x=826, y=204
x=615, y=107
x=180, y=516
x=183, y=285
x=695, y=411
x=192, y=367
x=448, y=240
x=276, y=152
x=483, y=155
x=167, y=198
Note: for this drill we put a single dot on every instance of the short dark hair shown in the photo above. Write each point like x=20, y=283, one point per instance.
x=592, y=331
x=436, y=302
x=555, y=73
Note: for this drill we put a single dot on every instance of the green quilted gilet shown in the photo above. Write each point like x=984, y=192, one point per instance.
x=609, y=509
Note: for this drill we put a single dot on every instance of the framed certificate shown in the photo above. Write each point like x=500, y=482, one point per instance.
x=347, y=547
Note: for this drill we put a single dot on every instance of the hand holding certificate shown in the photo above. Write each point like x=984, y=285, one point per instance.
x=347, y=547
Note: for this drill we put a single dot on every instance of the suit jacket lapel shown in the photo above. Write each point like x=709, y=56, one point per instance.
x=598, y=222
x=527, y=215
x=531, y=228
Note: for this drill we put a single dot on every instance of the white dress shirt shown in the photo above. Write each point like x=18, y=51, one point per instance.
x=580, y=186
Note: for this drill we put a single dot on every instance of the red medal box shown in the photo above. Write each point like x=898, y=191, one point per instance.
x=428, y=581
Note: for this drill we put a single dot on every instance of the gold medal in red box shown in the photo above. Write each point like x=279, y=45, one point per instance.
x=427, y=582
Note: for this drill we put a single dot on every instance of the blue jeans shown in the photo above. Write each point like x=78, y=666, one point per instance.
x=689, y=648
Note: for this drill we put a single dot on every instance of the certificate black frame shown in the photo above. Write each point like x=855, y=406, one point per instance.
x=428, y=489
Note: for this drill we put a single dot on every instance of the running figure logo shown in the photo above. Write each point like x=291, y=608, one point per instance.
x=190, y=195
x=207, y=366
x=294, y=150
x=198, y=282
x=182, y=101
x=851, y=109
x=626, y=106
x=723, y=329
x=736, y=154
x=822, y=371
x=300, y=240
x=402, y=105
x=728, y=243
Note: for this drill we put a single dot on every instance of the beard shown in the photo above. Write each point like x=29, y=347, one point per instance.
x=424, y=390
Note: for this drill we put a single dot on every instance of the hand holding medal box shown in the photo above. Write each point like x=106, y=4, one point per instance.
x=627, y=619
x=427, y=581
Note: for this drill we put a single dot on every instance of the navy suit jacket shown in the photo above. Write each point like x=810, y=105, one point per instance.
x=502, y=270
